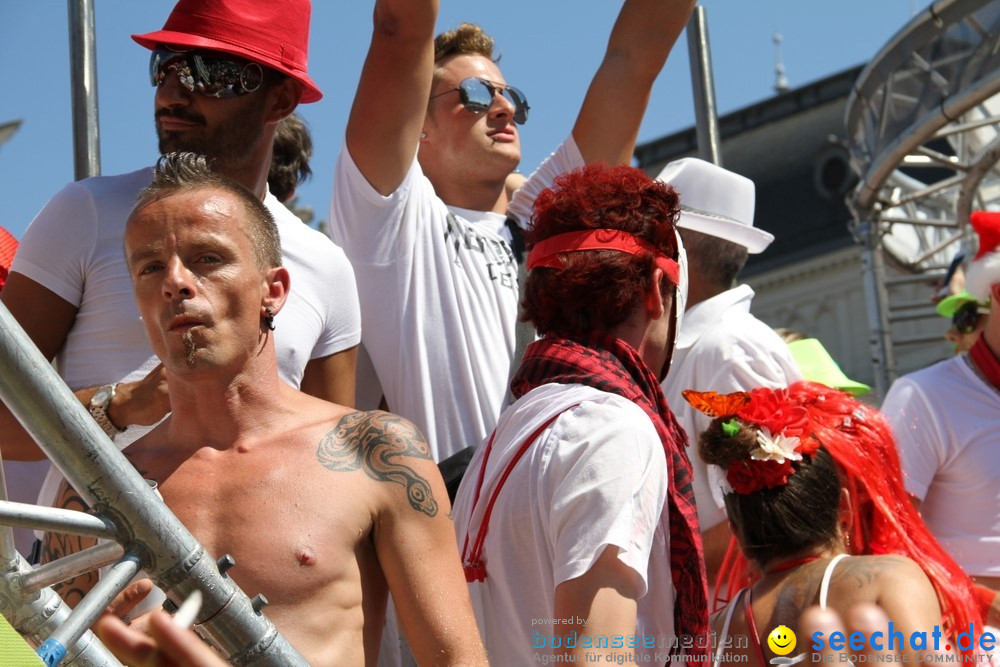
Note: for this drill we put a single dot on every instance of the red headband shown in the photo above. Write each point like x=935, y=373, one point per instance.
x=545, y=253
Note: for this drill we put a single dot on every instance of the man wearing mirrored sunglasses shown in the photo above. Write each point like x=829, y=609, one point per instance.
x=420, y=203
x=225, y=72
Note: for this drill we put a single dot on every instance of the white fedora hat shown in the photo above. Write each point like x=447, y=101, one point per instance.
x=716, y=201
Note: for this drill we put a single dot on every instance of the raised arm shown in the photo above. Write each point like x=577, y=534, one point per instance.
x=389, y=107
x=612, y=111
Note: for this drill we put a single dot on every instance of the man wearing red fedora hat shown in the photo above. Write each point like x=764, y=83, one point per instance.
x=225, y=73
x=946, y=419
x=421, y=208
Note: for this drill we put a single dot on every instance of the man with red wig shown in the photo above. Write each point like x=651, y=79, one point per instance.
x=946, y=419
x=576, y=519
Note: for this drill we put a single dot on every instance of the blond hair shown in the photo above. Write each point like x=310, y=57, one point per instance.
x=468, y=39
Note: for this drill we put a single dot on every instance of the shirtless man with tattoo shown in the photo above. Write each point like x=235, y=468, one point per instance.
x=325, y=509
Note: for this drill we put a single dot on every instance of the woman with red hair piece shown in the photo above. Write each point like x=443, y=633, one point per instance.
x=778, y=513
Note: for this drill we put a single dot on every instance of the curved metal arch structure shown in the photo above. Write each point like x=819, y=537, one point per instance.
x=924, y=128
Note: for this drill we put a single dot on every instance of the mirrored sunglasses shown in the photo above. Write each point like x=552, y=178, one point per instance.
x=966, y=317
x=213, y=75
x=476, y=95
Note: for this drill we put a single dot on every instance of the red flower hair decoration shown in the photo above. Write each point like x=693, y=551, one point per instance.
x=783, y=433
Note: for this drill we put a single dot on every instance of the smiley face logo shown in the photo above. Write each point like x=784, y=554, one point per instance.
x=781, y=641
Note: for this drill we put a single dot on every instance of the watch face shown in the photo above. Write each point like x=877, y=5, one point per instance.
x=102, y=397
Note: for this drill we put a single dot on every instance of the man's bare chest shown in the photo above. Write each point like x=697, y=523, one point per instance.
x=293, y=527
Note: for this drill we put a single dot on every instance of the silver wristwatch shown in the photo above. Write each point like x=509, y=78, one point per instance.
x=99, y=404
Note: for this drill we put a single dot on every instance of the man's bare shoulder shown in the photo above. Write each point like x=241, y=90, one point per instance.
x=389, y=449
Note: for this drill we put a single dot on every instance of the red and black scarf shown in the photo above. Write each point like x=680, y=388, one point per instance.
x=609, y=364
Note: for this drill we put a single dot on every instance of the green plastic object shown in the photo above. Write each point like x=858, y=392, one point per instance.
x=948, y=306
x=817, y=365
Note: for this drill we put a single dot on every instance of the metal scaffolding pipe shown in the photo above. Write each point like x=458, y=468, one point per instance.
x=703, y=85
x=8, y=550
x=73, y=441
x=83, y=88
x=71, y=566
x=55, y=519
x=877, y=302
x=37, y=614
x=89, y=608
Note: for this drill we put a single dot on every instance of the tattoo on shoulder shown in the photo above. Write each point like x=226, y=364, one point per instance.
x=861, y=572
x=377, y=443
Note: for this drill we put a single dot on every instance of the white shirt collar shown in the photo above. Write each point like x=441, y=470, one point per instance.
x=703, y=315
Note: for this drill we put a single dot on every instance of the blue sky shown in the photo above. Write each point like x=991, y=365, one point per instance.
x=551, y=48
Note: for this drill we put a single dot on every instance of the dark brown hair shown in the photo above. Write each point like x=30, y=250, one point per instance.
x=716, y=260
x=293, y=148
x=782, y=521
x=184, y=172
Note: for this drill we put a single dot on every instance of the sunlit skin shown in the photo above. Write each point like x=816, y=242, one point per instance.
x=244, y=455
x=196, y=280
x=227, y=129
x=466, y=155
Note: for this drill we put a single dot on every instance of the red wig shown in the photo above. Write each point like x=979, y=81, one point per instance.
x=884, y=519
x=596, y=291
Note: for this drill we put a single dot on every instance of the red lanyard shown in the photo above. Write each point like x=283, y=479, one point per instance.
x=752, y=627
x=475, y=568
x=789, y=564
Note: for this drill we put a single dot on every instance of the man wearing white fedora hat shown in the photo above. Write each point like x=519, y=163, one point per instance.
x=721, y=345
x=946, y=419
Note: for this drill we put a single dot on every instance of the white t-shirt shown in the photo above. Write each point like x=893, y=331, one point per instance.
x=74, y=248
x=438, y=287
x=597, y=476
x=722, y=347
x=946, y=421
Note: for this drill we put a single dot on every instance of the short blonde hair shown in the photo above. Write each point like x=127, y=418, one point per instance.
x=468, y=39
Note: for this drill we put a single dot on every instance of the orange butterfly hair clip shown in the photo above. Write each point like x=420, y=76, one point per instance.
x=714, y=404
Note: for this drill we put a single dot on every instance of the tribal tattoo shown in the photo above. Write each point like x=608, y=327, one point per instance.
x=56, y=545
x=857, y=574
x=377, y=442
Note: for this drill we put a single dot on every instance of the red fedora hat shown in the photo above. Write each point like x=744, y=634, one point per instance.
x=8, y=246
x=274, y=34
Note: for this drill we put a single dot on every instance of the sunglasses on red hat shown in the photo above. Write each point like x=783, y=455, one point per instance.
x=476, y=95
x=205, y=72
